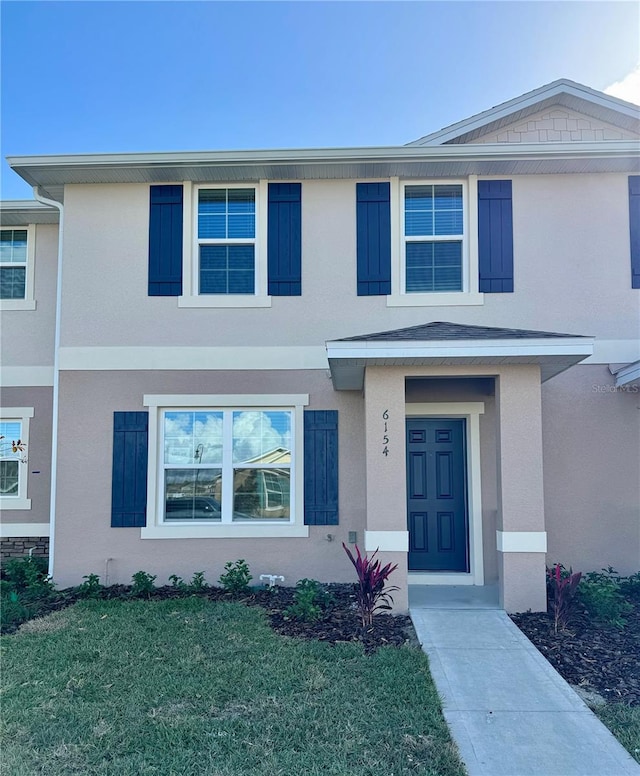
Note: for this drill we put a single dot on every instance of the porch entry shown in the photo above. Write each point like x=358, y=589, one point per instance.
x=437, y=511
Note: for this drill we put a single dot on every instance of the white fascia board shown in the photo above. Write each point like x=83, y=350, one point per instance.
x=628, y=374
x=226, y=400
x=566, y=346
x=574, y=149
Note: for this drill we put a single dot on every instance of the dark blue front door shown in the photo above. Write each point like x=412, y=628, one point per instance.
x=437, y=495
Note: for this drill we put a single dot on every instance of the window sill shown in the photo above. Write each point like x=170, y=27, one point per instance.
x=7, y=504
x=17, y=304
x=221, y=300
x=227, y=531
x=449, y=299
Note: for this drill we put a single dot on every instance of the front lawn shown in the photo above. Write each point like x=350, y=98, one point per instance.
x=194, y=686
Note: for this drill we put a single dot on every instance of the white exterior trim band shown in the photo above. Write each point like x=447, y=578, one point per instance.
x=10, y=530
x=521, y=541
x=196, y=358
x=386, y=541
x=26, y=376
x=226, y=400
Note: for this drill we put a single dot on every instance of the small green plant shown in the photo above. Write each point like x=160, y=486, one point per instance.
x=198, y=582
x=142, y=584
x=372, y=578
x=177, y=583
x=630, y=586
x=27, y=573
x=601, y=594
x=236, y=577
x=310, y=600
x=91, y=586
x=562, y=585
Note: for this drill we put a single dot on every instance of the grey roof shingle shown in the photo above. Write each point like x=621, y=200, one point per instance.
x=442, y=330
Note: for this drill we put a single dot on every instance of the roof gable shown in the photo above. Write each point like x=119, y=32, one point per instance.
x=597, y=112
x=446, y=331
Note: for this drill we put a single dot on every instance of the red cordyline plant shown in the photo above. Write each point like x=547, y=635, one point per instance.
x=372, y=576
x=563, y=586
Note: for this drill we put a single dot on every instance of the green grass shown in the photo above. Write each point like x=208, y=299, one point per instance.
x=624, y=722
x=195, y=687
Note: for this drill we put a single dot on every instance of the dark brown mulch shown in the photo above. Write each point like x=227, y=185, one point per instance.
x=339, y=622
x=604, y=659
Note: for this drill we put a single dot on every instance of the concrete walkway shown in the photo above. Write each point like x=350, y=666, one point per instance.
x=509, y=711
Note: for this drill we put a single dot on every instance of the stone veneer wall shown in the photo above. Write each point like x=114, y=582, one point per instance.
x=19, y=546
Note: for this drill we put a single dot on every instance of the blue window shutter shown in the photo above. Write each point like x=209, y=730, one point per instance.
x=321, y=467
x=129, y=473
x=165, y=241
x=284, y=240
x=373, y=235
x=495, y=237
x=634, y=227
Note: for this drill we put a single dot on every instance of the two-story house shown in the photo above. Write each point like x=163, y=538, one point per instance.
x=430, y=349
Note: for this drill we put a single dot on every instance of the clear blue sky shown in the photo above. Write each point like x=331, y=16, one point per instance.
x=83, y=77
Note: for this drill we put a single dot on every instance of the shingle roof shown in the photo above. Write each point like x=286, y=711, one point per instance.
x=442, y=330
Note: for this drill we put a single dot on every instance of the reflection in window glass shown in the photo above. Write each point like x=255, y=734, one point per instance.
x=261, y=494
x=262, y=437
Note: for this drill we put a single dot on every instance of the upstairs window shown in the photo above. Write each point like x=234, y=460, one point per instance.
x=226, y=229
x=433, y=237
x=13, y=263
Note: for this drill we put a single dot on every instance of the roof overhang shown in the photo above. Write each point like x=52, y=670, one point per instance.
x=22, y=212
x=627, y=374
x=348, y=360
x=52, y=173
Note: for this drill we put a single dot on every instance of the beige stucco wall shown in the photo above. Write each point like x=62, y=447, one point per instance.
x=38, y=466
x=591, y=435
x=572, y=272
x=556, y=125
x=84, y=538
x=28, y=335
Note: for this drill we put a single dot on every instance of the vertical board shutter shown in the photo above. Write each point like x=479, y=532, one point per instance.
x=373, y=216
x=321, y=467
x=129, y=473
x=165, y=241
x=495, y=237
x=284, y=239
x=634, y=227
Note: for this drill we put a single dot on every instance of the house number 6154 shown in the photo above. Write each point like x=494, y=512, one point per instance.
x=385, y=438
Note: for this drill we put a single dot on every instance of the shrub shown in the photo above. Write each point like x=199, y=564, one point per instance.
x=25, y=590
x=601, y=594
x=91, y=586
x=372, y=577
x=236, y=577
x=310, y=600
x=142, y=584
x=630, y=586
x=198, y=582
x=563, y=585
x=25, y=573
x=177, y=583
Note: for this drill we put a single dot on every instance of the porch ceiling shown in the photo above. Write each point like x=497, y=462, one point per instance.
x=447, y=344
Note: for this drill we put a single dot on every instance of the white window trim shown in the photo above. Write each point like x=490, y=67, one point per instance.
x=470, y=294
x=190, y=271
x=156, y=529
x=28, y=303
x=471, y=411
x=21, y=415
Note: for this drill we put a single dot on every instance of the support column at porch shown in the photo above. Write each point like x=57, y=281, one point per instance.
x=521, y=537
x=386, y=522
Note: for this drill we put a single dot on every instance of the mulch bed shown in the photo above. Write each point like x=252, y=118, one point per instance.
x=339, y=623
x=604, y=659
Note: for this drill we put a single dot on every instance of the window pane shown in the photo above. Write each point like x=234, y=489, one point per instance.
x=12, y=282
x=433, y=267
x=9, y=478
x=193, y=494
x=261, y=494
x=226, y=213
x=227, y=269
x=193, y=438
x=262, y=437
x=13, y=246
x=11, y=431
x=433, y=210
